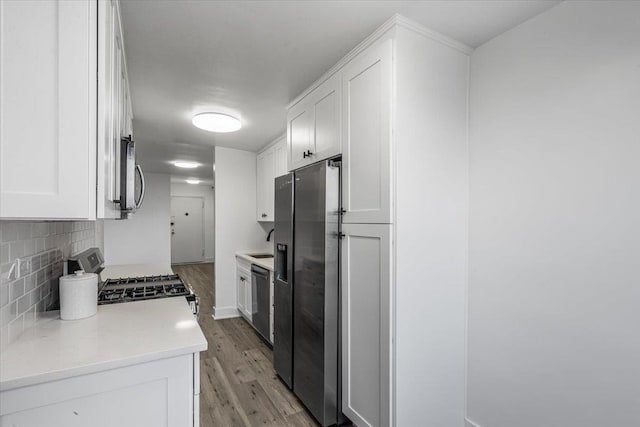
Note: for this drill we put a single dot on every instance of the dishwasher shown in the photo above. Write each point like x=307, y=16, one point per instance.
x=261, y=301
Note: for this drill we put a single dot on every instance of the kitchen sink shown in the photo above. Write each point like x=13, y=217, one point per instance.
x=260, y=256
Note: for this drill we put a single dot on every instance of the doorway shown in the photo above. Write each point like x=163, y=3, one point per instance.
x=187, y=229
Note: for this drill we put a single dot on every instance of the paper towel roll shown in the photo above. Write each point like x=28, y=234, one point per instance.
x=78, y=295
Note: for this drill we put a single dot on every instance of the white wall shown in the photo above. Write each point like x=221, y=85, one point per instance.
x=45, y=245
x=146, y=236
x=207, y=194
x=431, y=231
x=236, y=227
x=554, y=277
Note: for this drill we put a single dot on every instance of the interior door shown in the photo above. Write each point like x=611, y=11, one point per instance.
x=187, y=229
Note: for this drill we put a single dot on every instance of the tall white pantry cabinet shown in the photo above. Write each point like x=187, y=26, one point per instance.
x=403, y=139
x=64, y=105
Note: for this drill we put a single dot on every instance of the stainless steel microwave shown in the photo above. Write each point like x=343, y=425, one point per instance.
x=132, y=187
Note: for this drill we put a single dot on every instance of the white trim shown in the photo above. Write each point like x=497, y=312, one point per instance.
x=395, y=20
x=467, y=234
x=469, y=423
x=272, y=143
x=407, y=23
x=220, y=313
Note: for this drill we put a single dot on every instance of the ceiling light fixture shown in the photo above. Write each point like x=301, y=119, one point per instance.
x=216, y=122
x=185, y=165
x=193, y=181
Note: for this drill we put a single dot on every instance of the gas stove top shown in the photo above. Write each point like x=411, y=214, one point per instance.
x=143, y=288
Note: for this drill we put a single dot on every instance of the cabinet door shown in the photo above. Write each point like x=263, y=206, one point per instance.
x=366, y=89
x=240, y=292
x=150, y=394
x=280, y=157
x=108, y=28
x=325, y=105
x=48, y=109
x=261, y=176
x=299, y=134
x=366, y=324
x=265, y=185
x=248, y=298
x=114, y=107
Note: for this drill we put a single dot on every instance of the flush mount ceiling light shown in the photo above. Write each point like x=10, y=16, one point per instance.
x=185, y=165
x=216, y=122
x=193, y=181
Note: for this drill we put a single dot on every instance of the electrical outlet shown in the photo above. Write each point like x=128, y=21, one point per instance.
x=25, y=266
x=20, y=268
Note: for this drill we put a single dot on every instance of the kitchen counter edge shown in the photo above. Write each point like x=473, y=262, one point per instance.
x=45, y=353
x=264, y=262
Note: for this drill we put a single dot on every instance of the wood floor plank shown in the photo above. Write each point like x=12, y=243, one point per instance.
x=278, y=393
x=257, y=405
x=222, y=397
x=239, y=387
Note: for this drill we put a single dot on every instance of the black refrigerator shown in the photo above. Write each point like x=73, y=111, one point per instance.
x=306, y=348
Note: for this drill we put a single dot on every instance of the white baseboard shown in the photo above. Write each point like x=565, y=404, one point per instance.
x=220, y=313
x=469, y=423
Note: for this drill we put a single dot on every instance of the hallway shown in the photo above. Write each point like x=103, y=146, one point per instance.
x=238, y=384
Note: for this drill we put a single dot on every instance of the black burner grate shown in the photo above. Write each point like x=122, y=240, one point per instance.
x=142, y=288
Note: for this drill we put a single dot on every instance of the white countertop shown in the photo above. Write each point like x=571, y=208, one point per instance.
x=118, y=335
x=262, y=262
x=134, y=270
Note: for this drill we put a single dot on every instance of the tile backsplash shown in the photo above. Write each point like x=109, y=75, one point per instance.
x=41, y=248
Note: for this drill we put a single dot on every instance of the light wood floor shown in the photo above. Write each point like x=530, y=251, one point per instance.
x=238, y=384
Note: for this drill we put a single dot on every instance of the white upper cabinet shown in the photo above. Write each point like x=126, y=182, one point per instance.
x=313, y=125
x=367, y=154
x=114, y=107
x=271, y=163
x=280, y=157
x=265, y=185
x=402, y=118
x=325, y=109
x=58, y=161
x=48, y=109
x=299, y=123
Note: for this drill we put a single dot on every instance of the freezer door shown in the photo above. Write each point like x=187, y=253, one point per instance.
x=283, y=272
x=315, y=291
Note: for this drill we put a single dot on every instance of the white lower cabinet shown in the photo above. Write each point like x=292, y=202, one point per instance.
x=243, y=288
x=366, y=324
x=153, y=394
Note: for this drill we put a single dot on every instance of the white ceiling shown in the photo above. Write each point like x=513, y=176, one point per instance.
x=250, y=58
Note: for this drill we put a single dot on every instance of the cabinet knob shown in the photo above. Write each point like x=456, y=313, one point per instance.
x=264, y=215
